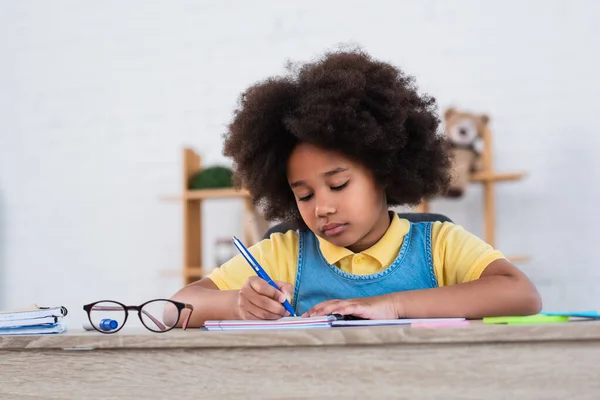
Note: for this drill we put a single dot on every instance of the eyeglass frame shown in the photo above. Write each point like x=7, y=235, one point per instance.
x=180, y=307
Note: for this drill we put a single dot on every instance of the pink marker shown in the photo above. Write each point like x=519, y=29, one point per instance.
x=439, y=324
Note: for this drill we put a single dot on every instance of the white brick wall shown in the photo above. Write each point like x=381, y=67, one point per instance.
x=97, y=98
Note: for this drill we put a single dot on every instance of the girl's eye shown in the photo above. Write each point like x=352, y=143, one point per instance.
x=337, y=188
x=305, y=198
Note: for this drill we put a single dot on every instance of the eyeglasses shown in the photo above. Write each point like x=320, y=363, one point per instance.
x=159, y=315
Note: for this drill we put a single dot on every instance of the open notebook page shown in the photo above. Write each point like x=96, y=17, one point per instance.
x=282, y=323
x=402, y=321
x=315, y=322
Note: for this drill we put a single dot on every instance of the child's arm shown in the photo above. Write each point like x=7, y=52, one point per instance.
x=208, y=301
x=255, y=300
x=233, y=291
x=501, y=290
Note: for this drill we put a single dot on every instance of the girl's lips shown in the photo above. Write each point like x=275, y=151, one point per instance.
x=333, y=229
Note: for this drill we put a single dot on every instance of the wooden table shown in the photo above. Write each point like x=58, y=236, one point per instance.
x=555, y=361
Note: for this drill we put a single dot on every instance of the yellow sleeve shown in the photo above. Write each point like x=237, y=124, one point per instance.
x=278, y=256
x=459, y=256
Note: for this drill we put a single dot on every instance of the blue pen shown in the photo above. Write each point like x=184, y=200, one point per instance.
x=259, y=271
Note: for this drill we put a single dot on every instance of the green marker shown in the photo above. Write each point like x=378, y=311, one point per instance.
x=527, y=319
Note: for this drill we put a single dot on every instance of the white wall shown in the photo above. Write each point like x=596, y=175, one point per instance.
x=97, y=99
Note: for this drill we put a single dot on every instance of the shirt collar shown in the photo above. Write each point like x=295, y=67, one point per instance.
x=384, y=251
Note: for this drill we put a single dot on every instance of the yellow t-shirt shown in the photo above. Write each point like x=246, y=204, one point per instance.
x=458, y=256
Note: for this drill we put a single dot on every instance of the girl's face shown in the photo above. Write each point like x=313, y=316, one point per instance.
x=338, y=199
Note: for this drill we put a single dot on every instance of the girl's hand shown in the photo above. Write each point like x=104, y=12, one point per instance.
x=376, y=307
x=259, y=300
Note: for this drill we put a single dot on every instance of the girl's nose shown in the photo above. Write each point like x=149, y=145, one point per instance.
x=324, y=208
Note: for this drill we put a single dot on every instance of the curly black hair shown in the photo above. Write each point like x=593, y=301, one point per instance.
x=348, y=102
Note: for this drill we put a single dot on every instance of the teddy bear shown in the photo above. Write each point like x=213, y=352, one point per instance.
x=464, y=132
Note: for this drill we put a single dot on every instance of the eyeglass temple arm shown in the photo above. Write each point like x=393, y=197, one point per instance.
x=157, y=322
x=187, y=319
x=109, y=308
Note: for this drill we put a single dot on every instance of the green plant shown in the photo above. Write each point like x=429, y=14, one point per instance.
x=212, y=178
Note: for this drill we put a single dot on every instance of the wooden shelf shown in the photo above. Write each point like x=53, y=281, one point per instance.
x=254, y=225
x=205, y=194
x=495, y=177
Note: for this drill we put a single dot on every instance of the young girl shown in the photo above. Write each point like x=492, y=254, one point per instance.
x=332, y=146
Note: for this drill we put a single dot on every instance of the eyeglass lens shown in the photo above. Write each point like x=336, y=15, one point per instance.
x=107, y=316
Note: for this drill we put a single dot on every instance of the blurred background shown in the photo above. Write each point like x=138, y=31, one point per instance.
x=98, y=99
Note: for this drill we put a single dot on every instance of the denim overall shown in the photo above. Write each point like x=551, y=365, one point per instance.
x=317, y=280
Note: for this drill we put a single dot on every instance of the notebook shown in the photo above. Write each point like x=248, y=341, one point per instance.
x=41, y=329
x=319, y=322
x=282, y=323
x=32, y=312
x=33, y=321
x=17, y=323
x=402, y=321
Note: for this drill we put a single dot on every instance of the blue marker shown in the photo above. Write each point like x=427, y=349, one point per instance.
x=108, y=324
x=259, y=271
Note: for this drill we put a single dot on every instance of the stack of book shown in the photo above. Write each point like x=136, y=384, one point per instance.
x=33, y=321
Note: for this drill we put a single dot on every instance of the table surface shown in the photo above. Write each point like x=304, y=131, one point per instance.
x=476, y=332
x=550, y=361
